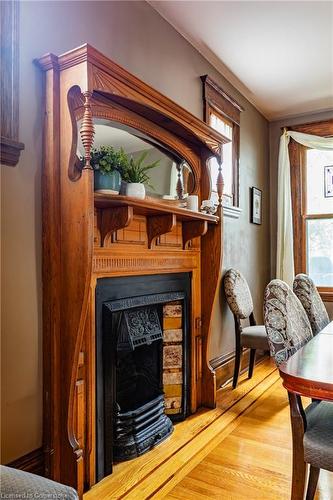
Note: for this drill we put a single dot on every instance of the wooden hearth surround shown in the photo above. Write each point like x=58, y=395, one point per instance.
x=87, y=236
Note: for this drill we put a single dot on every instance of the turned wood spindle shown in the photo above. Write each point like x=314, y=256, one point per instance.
x=220, y=181
x=87, y=130
x=179, y=185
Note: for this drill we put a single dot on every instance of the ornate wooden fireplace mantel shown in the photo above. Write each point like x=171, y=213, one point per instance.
x=86, y=237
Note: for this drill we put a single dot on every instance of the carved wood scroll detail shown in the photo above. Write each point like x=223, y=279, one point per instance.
x=193, y=229
x=87, y=130
x=112, y=219
x=158, y=225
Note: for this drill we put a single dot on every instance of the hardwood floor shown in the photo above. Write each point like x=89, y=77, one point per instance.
x=242, y=449
x=253, y=461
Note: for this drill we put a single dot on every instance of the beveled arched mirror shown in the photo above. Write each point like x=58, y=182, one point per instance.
x=169, y=175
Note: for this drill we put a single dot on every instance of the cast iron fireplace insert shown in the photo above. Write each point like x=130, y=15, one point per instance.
x=130, y=414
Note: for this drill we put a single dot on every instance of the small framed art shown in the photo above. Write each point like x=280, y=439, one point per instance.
x=328, y=185
x=256, y=205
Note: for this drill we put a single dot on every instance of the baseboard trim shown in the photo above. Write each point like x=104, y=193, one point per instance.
x=222, y=360
x=224, y=365
x=31, y=462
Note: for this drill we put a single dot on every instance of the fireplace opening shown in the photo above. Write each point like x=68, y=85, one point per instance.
x=142, y=363
x=138, y=354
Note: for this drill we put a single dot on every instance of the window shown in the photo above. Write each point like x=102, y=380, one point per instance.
x=223, y=126
x=313, y=210
x=222, y=113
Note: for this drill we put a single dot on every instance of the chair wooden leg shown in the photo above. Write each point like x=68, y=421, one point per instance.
x=252, y=361
x=238, y=357
x=299, y=478
x=299, y=466
x=313, y=481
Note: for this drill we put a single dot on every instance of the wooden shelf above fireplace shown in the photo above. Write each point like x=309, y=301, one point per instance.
x=150, y=207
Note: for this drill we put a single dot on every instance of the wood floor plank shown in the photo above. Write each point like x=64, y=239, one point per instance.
x=190, y=456
x=226, y=397
x=231, y=481
x=253, y=461
x=147, y=473
x=239, y=451
x=127, y=474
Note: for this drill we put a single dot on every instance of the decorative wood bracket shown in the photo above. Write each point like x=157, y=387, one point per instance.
x=113, y=219
x=158, y=225
x=193, y=229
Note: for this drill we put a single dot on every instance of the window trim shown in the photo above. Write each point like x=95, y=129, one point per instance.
x=10, y=146
x=212, y=111
x=217, y=101
x=297, y=154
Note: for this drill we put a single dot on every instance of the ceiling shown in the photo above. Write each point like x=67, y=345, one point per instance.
x=278, y=54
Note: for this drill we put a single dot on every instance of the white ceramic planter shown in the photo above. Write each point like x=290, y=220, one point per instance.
x=133, y=189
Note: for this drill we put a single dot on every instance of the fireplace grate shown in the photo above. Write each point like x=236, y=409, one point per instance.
x=137, y=431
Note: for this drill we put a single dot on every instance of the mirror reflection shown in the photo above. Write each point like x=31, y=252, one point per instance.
x=122, y=153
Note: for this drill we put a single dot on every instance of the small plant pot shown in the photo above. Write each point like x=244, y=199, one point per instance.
x=109, y=184
x=133, y=189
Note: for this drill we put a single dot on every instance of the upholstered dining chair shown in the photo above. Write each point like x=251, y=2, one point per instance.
x=240, y=302
x=307, y=292
x=16, y=483
x=288, y=329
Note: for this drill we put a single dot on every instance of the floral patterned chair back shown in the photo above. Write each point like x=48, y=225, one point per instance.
x=286, y=322
x=307, y=292
x=238, y=294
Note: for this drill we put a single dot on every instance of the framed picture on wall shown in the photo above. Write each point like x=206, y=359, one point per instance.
x=328, y=173
x=256, y=205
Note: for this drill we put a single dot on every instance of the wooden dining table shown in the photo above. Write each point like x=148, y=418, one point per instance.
x=309, y=372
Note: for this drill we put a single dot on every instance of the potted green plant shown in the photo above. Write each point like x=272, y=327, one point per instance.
x=106, y=162
x=134, y=176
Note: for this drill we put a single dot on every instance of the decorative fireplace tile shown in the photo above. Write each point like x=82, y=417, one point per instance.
x=171, y=391
x=171, y=378
x=173, y=411
x=172, y=323
x=173, y=403
x=172, y=356
x=173, y=310
x=173, y=335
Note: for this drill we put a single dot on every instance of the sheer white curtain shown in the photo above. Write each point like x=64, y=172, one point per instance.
x=285, y=251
